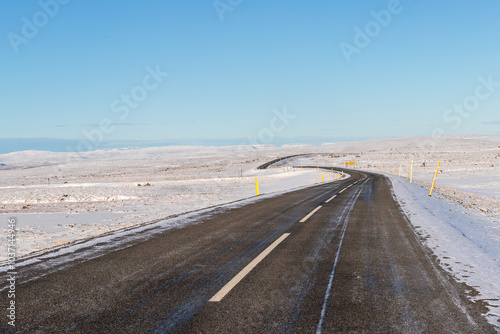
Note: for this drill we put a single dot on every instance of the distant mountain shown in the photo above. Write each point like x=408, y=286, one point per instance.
x=9, y=145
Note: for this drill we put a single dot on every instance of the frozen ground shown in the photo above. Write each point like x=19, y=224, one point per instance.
x=469, y=163
x=460, y=223
x=56, y=201
x=465, y=242
x=60, y=197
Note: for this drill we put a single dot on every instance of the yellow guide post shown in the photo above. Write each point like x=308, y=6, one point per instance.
x=338, y=175
x=411, y=172
x=400, y=169
x=256, y=187
x=389, y=168
x=322, y=177
x=434, y=180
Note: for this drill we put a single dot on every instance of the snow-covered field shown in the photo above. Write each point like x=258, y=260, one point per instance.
x=61, y=197
x=466, y=242
x=460, y=223
x=108, y=190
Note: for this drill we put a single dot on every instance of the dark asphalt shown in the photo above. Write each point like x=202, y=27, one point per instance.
x=355, y=266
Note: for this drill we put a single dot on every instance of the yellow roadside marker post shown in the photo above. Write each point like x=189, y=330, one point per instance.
x=338, y=175
x=322, y=177
x=434, y=180
x=400, y=169
x=256, y=187
x=389, y=168
x=411, y=172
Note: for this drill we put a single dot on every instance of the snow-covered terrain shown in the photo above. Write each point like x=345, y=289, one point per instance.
x=466, y=242
x=460, y=223
x=56, y=201
x=61, y=197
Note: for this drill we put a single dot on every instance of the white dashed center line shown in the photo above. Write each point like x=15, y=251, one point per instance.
x=236, y=279
x=331, y=198
x=310, y=214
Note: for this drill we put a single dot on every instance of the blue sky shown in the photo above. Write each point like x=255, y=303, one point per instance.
x=233, y=65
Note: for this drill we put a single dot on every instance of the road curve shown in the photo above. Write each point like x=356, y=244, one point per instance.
x=347, y=261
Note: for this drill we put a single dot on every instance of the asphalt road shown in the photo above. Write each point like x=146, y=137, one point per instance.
x=354, y=266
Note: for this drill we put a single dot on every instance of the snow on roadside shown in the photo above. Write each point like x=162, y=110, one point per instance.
x=62, y=197
x=54, y=214
x=488, y=206
x=466, y=243
x=460, y=223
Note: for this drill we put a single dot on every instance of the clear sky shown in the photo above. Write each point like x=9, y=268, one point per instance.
x=341, y=70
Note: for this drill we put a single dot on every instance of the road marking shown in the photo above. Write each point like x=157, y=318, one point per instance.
x=310, y=214
x=236, y=279
x=331, y=198
x=340, y=192
x=346, y=215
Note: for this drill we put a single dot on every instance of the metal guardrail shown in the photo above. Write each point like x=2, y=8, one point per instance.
x=269, y=163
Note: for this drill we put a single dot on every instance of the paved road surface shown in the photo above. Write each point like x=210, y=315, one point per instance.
x=354, y=266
